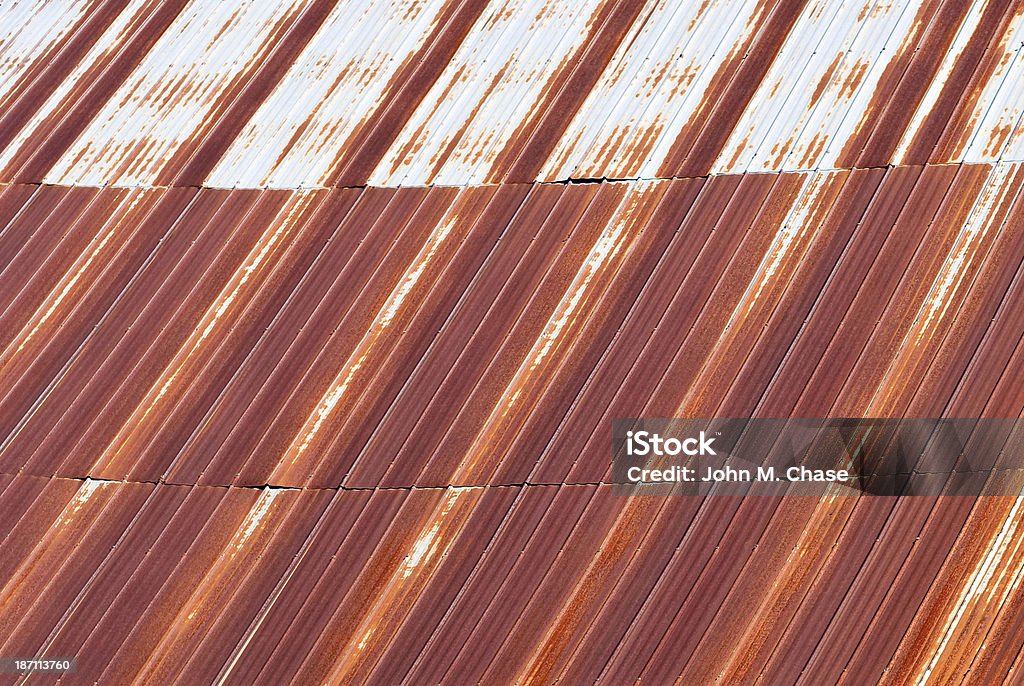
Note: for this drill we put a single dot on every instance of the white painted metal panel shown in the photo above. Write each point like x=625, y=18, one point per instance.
x=652, y=89
x=28, y=30
x=338, y=81
x=629, y=105
x=811, y=110
x=854, y=121
x=554, y=34
x=997, y=134
x=768, y=121
x=100, y=53
x=168, y=97
x=931, y=96
x=494, y=82
x=849, y=87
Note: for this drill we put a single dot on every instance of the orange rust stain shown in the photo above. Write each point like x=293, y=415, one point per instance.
x=696, y=17
x=215, y=589
x=653, y=80
x=53, y=309
x=610, y=146
x=997, y=139
x=411, y=12
x=593, y=586
x=949, y=285
x=854, y=78
x=301, y=129
x=890, y=76
x=304, y=453
x=814, y=150
x=686, y=79
x=393, y=593
x=826, y=77
x=456, y=138
x=739, y=151
x=638, y=512
x=963, y=135
x=923, y=640
x=774, y=586
x=416, y=141
x=687, y=134
x=787, y=249
x=630, y=163
x=780, y=150
x=864, y=10
x=951, y=145
x=994, y=576
x=84, y=507
x=219, y=314
x=555, y=81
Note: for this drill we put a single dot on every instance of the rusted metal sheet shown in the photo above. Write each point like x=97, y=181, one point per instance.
x=314, y=93
x=31, y=34
x=330, y=92
x=259, y=428
x=272, y=586
x=194, y=379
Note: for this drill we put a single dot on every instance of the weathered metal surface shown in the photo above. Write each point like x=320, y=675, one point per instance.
x=158, y=582
x=256, y=428
x=313, y=93
x=411, y=339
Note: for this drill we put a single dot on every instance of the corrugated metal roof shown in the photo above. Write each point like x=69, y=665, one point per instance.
x=315, y=94
x=188, y=584
x=309, y=352
x=398, y=341
x=426, y=337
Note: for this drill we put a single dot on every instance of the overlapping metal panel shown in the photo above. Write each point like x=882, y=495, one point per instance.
x=410, y=339
x=185, y=584
x=317, y=94
x=426, y=337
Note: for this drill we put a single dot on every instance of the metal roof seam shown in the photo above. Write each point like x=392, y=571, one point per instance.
x=566, y=181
